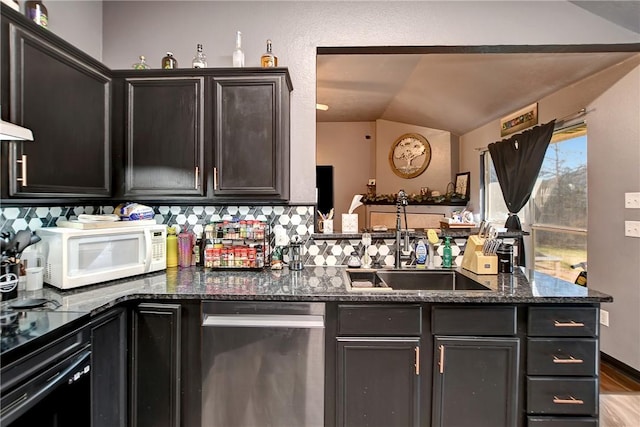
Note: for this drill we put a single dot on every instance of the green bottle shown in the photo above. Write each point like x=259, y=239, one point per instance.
x=446, y=253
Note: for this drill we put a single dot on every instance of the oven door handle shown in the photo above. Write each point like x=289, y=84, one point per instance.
x=28, y=395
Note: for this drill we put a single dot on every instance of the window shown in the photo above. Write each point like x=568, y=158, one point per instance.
x=557, y=209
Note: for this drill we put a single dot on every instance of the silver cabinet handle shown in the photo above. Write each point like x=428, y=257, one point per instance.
x=215, y=178
x=23, y=162
x=264, y=320
x=197, y=176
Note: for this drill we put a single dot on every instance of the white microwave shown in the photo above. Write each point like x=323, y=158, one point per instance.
x=78, y=257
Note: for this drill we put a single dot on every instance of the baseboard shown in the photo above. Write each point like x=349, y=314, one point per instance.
x=621, y=366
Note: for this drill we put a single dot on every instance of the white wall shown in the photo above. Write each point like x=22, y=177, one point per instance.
x=297, y=28
x=345, y=147
x=78, y=22
x=613, y=155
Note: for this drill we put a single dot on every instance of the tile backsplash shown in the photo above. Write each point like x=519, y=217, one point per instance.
x=295, y=220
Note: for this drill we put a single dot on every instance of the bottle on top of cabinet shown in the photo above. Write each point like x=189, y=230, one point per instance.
x=169, y=62
x=37, y=12
x=200, y=60
x=142, y=65
x=238, y=54
x=268, y=59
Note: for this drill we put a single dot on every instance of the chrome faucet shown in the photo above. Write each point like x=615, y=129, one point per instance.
x=401, y=202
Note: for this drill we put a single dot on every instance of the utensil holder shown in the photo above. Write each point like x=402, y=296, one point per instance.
x=9, y=279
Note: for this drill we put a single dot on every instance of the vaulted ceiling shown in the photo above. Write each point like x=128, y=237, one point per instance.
x=457, y=91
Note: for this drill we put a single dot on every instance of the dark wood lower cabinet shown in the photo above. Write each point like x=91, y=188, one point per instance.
x=109, y=369
x=475, y=382
x=378, y=382
x=156, y=362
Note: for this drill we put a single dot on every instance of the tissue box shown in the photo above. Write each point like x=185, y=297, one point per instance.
x=349, y=223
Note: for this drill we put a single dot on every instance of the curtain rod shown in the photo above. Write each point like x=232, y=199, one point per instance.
x=557, y=126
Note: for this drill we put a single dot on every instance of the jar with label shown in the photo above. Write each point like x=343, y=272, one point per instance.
x=169, y=62
x=37, y=12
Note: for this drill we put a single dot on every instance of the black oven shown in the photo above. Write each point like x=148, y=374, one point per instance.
x=45, y=382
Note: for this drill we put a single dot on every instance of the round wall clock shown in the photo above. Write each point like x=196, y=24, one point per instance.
x=410, y=155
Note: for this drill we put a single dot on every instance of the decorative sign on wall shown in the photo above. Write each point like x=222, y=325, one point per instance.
x=410, y=155
x=519, y=120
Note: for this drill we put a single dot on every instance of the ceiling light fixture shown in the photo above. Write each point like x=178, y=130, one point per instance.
x=323, y=107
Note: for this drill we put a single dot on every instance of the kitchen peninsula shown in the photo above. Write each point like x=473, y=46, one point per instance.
x=504, y=348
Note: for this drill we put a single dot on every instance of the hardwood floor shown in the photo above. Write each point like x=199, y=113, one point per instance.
x=619, y=396
x=613, y=380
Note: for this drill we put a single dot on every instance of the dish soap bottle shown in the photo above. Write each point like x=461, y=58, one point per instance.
x=172, y=247
x=421, y=254
x=446, y=253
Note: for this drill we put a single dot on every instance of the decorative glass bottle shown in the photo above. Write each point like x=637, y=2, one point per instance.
x=142, y=65
x=169, y=62
x=238, y=54
x=268, y=59
x=200, y=60
x=37, y=12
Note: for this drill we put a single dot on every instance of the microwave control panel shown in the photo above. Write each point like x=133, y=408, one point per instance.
x=158, y=245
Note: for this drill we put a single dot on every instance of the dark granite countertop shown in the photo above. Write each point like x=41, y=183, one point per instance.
x=419, y=233
x=320, y=284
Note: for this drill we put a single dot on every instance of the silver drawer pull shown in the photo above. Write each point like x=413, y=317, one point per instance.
x=570, y=324
x=571, y=359
x=570, y=401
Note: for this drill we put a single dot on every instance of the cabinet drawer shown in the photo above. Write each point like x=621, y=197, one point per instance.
x=388, y=320
x=561, y=422
x=491, y=321
x=549, y=356
x=563, y=321
x=556, y=396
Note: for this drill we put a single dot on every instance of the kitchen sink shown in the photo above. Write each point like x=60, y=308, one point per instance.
x=411, y=280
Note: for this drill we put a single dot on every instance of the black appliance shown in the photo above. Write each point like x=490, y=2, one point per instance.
x=45, y=374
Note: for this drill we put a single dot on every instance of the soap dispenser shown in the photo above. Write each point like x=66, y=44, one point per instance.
x=446, y=253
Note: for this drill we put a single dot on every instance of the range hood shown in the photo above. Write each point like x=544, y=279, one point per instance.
x=11, y=132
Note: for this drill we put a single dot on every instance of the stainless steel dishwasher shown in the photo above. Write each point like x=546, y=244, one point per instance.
x=262, y=364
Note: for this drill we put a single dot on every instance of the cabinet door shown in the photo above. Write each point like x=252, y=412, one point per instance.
x=65, y=100
x=378, y=382
x=164, y=141
x=251, y=137
x=109, y=370
x=475, y=382
x=155, y=357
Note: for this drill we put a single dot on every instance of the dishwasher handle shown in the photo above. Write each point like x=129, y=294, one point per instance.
x=301, y=321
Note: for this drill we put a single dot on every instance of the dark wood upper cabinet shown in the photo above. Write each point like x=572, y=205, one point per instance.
x=251, y=134
x=164, y=140
x=63, y=96
x=215, y=135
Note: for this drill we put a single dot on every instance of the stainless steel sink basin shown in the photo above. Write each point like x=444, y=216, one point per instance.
x=411, y=280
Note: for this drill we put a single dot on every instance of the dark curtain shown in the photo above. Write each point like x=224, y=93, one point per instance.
x=517, y=161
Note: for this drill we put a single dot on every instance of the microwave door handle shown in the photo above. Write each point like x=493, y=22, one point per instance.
x=147, y=262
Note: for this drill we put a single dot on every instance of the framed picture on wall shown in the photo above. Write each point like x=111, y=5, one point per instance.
x=462, y=185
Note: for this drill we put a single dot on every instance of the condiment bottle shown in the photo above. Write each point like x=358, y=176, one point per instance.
x=172, y=247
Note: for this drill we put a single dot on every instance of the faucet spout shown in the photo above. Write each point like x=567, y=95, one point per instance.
x=401, y=201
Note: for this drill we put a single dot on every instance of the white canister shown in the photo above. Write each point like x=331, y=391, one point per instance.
x=35, y=278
